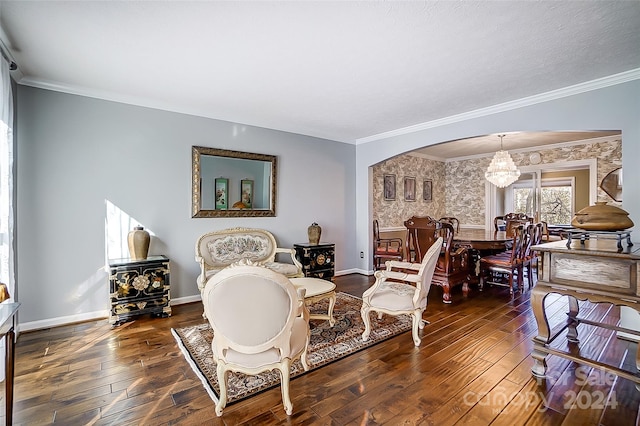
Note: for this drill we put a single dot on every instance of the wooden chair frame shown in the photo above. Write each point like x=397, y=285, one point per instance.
x=453, y=266
x=385, y=248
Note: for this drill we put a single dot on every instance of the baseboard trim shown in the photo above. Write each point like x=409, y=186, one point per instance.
x=187, y=299
x=353, y=271
x=97, y=315
x=66, y=320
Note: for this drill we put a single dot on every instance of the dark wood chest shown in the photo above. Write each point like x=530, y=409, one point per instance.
x=317, y=260
x=138, y=287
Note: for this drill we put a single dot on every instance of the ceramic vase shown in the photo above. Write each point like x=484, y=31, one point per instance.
x=138, y=240
x=314, y=231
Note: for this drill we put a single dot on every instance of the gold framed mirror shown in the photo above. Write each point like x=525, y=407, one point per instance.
x=612, y=184
x=232, y=183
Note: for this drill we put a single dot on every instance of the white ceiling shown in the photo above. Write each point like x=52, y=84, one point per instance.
x=341, y=70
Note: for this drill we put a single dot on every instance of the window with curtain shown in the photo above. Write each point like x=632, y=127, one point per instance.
x=6, y=177
x=6, y=189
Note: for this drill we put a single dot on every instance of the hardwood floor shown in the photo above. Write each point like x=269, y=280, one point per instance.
x=473, y=367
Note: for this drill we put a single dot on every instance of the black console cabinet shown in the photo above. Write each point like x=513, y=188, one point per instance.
x=138, y=287
x=317, y=260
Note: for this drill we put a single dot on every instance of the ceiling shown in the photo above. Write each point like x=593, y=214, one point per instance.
x=340, y=70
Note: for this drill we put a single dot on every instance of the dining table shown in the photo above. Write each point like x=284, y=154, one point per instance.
x=482, y=240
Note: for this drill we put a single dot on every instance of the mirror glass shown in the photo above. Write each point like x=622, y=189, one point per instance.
x=612, y=184
x=232, y=183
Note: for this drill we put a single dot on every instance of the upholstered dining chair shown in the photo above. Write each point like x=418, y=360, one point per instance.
x=385, y=248
x=453, y=221
x=401, y=289
x=453, y=267
x=510, y=221
x=533, y=260
x=513, y=220
x=259, y=323
x=511, y=262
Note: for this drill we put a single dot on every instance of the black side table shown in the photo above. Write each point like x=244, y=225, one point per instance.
x=138, y=287
x=317, y=259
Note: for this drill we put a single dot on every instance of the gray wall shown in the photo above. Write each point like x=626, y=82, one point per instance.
x=76, y=154
x=615, y=107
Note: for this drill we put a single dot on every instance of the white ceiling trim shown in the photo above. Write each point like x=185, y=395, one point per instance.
x=118, y=97
x=507, y=106
x=588, y=86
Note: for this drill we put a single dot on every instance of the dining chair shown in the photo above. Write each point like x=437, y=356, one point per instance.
x=453, y=267
x=545, y=236
x=501, y=223
x=385, y=248
x=518, y=216
x=401, y=289
x=453, y=221
x=534, y=259
x=513, y=224
x=260, y=323
x=510, y=263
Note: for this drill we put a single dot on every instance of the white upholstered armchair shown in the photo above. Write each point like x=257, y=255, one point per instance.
x=401, y=289
x=259, y=323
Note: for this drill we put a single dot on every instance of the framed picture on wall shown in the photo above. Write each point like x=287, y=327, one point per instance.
x=246, y=193
x=409, y=188
x=389, y=187
x=427, y=190
x=221, y=189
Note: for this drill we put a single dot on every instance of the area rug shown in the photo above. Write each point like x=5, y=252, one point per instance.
x=327, y=344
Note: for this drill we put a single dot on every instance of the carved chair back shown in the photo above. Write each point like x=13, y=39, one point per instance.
x=453, y=221
x=422, y=232
x=501, y=223
x=452, y=267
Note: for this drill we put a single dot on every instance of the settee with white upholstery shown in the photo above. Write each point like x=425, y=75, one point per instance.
x=218, y=249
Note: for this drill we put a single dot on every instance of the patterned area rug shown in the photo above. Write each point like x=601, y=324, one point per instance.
x=327, y=344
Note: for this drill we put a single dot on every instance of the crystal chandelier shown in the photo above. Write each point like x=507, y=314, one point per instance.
x=502, y=171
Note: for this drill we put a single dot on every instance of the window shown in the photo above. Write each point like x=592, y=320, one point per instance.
x=556, y=200
x=556, y=203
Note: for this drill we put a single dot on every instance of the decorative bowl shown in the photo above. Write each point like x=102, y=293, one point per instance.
x=602, y=217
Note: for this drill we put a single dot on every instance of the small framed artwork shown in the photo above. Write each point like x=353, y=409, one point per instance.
x=221, y=191
x=427, y=190
x=246, y=193
x=409, y=188
x=389, y=187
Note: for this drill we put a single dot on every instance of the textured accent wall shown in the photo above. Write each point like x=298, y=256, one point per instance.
x=464, y=181
x=465, y=178
x=394, y=213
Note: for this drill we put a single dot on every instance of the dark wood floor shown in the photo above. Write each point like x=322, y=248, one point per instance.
x=473, y=367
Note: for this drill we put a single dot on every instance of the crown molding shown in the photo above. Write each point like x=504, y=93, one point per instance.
x=588, y=86
x=104, y=95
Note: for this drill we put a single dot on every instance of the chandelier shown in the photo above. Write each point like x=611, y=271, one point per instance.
x=502, y=171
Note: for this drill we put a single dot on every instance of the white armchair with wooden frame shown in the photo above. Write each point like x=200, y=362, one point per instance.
x=259, y=322
x=401, y=289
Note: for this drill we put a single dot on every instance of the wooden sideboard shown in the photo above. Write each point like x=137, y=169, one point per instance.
x=595, y=270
